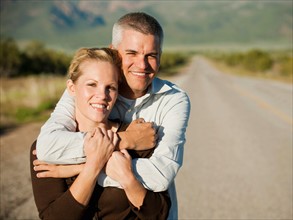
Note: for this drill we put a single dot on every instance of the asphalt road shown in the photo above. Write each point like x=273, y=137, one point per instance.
x=238, y=155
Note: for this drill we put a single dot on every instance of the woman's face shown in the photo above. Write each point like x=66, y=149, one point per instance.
x=95, y=92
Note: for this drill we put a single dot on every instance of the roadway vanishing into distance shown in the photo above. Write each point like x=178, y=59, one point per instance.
x=238, y=154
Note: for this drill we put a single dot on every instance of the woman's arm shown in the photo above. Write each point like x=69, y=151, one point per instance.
x=52, y=195
x=99, y=146
x=53, y=198
x=144, y=203
x=119, y=168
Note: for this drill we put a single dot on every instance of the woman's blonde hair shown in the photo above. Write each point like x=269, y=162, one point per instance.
x=99, y=54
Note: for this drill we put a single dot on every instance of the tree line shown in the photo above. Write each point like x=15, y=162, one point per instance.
x=256, y=60
x=33, y=59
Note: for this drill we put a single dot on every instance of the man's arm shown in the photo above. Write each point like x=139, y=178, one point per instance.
x=155, y=173
x=58, y=142
x=158, y=172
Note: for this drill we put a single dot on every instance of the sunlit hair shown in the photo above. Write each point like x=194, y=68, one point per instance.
x=98, y=54
x=137, y=21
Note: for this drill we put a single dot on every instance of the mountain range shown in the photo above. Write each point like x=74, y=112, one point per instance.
x=69, y=25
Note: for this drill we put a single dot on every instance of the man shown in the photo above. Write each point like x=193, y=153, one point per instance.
x=138, y=37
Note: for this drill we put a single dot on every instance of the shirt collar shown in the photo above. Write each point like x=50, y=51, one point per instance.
x=159, y=86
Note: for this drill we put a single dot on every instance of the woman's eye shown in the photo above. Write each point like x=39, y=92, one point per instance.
x=130, y=53
x=91, y=84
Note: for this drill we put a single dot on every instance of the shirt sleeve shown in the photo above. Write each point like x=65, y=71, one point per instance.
x=158, y=172
x=58, y=142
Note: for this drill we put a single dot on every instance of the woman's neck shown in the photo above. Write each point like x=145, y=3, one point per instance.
x=85, y=124
x=91, y=126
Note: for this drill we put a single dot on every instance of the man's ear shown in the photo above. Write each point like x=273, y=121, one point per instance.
x=111, y=46
x=71, y=87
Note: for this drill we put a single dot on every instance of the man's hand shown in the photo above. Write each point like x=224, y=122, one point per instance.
x=139, y=135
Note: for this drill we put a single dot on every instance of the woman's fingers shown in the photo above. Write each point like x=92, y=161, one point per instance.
x=110, y=135
x=45, y=174
x=42, y=167
x=115, y=139
x=125, y=154
x=38, y=162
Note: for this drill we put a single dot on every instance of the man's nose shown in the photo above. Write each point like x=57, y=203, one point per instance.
x=142, y=62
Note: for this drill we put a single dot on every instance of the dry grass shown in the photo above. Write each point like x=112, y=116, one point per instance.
x=273, y=74
x=27, y=97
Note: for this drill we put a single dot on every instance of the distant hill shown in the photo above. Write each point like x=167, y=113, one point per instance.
x=72, y=24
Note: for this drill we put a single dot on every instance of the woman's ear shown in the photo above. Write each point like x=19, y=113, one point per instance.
x=70, y=87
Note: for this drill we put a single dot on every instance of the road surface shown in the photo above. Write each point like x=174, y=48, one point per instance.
x=238, y=155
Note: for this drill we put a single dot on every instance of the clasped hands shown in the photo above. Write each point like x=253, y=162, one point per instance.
x=99, y=149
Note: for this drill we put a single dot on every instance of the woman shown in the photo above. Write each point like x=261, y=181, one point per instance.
x=93, y=81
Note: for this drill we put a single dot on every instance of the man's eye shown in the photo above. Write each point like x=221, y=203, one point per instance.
x=153, y=56
x=113, y=88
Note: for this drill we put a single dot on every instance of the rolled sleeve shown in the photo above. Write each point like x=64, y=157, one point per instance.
x=58, y=142
x=157, y=172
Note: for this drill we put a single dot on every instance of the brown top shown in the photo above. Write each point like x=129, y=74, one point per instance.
x=54, y=200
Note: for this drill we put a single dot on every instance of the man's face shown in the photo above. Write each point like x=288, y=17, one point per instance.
x=140, y=62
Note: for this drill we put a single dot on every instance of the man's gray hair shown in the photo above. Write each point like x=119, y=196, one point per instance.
x=138, y=21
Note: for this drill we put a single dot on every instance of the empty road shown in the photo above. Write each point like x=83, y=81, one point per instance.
x=238, y=155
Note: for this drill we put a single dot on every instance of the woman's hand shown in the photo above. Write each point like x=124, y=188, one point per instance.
x=46, y=170
x=56, y=171
x=98, y=146
x=139, y=135
x=119, y=168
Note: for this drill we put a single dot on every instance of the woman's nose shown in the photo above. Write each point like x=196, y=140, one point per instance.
x=101, y=93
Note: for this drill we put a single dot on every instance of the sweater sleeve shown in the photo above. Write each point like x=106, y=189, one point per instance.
x=52, y=196
x=156, y=205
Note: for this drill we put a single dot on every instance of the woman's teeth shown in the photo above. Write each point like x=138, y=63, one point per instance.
x=98, y=106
